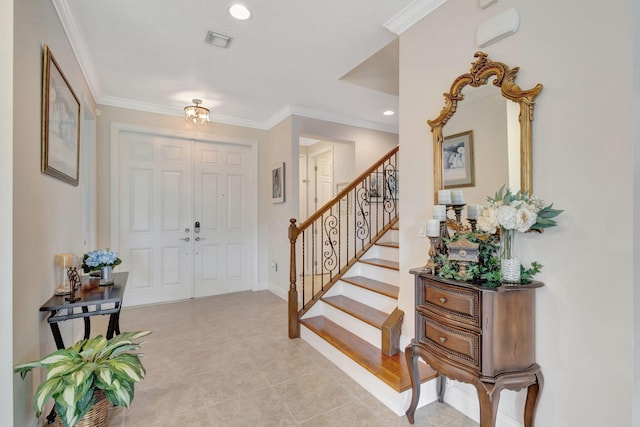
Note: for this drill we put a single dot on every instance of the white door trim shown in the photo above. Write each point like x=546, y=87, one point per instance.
x=117, y=127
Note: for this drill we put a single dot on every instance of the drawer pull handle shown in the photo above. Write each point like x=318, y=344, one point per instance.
x=443, y=300
x=442, y=339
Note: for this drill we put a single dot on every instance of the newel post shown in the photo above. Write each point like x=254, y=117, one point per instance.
x=294, y=326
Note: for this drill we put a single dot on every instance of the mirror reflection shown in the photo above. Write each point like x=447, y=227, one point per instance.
x=492, y=123
x=482, y=137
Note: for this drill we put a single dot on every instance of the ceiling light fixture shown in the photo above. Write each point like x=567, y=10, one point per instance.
x=388, y=113
x=240, y=12
x=196, y=114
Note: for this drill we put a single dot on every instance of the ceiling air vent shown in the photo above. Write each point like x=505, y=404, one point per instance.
x=217, y=39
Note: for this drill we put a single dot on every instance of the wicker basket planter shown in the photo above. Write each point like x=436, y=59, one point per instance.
x=97, y=415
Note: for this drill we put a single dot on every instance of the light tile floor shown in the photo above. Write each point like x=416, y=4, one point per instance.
x=227, y=361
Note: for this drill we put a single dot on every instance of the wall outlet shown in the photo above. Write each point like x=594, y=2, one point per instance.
x=422, y=229
x=274, y=266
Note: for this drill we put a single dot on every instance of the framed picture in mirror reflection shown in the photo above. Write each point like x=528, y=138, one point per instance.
x=457, y=160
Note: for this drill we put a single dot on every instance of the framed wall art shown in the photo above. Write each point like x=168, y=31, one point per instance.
x=345, y=202
x=457, y=160
x=277, y=184
x=60, y=155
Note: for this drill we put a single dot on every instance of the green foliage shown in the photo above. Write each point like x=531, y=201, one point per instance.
x=485, y=272
x=544, y=214
x=75, y=372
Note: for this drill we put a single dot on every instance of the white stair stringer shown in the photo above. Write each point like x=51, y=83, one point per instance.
x=397, y=402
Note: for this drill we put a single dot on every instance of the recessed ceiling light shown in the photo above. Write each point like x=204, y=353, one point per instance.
x=240, y=12
x=388, y=113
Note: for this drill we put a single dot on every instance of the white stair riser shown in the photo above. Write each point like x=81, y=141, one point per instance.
x=372, y=299
x=380, y=274
x=384, y=252
x=356, y=326
x=391, y=236
x=397, y=402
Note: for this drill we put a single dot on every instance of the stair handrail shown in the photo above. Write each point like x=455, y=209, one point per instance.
x=295, y=231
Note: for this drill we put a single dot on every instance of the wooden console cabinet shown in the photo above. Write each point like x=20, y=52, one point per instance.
x=477, y=335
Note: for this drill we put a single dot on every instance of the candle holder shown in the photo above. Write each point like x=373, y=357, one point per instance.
x=74, y=282
x=457, y=209
x=474, y=223
x=441, y=247
x=432, y=265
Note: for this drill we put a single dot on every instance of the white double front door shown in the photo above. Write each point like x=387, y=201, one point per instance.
x=187, y=217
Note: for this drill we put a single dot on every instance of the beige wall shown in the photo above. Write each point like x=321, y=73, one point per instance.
x=582, y=161
x=47, y=213
x=370, y=145
x=6, y=205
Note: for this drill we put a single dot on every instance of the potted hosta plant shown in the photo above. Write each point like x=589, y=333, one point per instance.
x=87, y=373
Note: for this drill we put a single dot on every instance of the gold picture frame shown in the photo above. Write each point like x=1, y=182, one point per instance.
x=60, y=150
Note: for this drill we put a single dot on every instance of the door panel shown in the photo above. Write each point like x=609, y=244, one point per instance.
x=155, y=209
x=222, y=205
x=166, y=185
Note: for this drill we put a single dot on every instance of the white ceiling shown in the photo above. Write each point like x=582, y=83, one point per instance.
x=288, y=58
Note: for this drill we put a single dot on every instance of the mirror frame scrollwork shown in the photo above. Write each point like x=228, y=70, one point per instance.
x=481, y=71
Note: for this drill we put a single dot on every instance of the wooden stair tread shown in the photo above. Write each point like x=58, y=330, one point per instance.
x=393, y=265
x=392, y=370
x=389, y=244
x=373, y=285
x=358, y=310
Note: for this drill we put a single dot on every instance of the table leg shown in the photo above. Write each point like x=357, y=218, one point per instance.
x=533, y=397
x=55, y=330
x=412, y=364
x=87, y=324
x=441, y=387
x=114, y=325
x=489, y=398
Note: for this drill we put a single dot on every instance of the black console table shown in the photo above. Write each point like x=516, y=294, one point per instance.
x=94, y=300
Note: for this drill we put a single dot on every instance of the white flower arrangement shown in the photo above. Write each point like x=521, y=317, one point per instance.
x=97, y=259
x=517, y=211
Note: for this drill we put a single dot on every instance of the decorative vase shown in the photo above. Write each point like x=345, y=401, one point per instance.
x=106, y=275
x=509, y=261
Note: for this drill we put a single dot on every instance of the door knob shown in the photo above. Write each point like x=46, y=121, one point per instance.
x=186, y=239
x=199, y=238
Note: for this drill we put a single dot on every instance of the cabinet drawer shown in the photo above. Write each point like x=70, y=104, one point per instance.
x=453, y=302
x=456, y=344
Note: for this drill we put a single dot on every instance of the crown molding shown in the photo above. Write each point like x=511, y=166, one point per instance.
x=412, y=14
x=178, y=112
x=78, y=46
x=294, y=110
x=81, y=51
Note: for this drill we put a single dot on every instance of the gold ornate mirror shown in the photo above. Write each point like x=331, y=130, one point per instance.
x=482, y=71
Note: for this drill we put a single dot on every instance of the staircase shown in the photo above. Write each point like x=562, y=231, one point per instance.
x=356, y=325
x=343, y=285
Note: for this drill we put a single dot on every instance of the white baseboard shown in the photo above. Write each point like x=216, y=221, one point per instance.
x=397, y=402
x=467, y=404
x=284, y=294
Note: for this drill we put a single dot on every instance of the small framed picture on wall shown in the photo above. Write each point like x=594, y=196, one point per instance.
x=277, y=183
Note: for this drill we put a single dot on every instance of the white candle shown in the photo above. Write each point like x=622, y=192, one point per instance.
x=440, y=212
x=457, y=198
x=473, y=211
x=433, y=228
x=444, y=197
